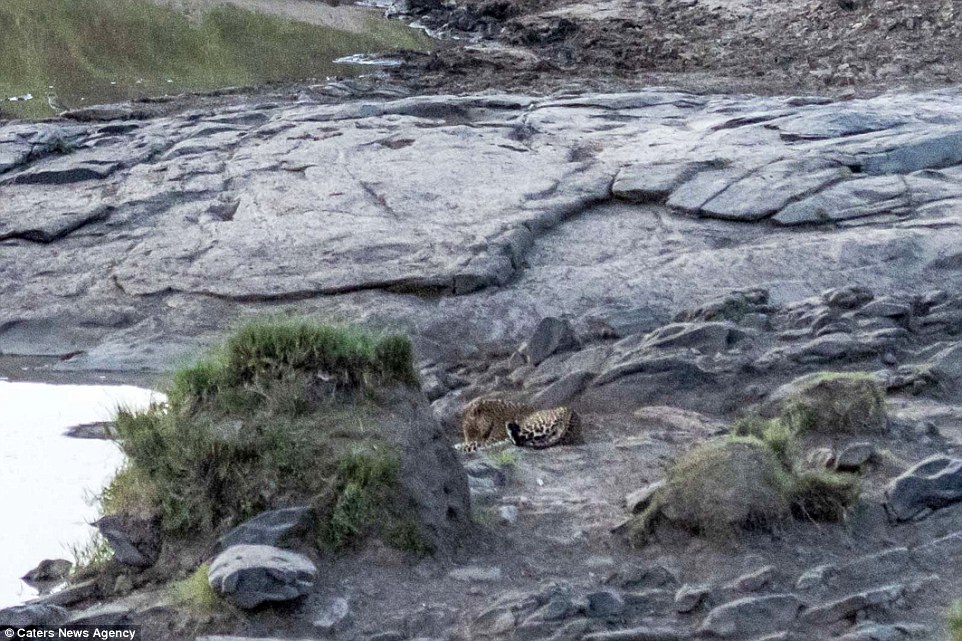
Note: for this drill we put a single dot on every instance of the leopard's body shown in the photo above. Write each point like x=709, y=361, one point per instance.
x=489, y=423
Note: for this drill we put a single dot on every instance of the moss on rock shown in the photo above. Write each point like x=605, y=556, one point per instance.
x=287, y=413
x=835, y=403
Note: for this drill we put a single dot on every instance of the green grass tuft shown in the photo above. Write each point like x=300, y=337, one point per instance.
x=279, y=415
x=504, y=459
x=836, y=403
x=823, y=496
x=91, y=555
x=195, y=592
x=953, y=621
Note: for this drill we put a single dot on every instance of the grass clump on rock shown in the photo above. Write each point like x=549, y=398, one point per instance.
x=284, y=413
x=750, y=480
x=196, y=593
x=836, y=403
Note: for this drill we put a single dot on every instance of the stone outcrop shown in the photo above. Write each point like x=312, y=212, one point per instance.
x=126, y=244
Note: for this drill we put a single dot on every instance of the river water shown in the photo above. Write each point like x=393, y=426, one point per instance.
x=47, y=479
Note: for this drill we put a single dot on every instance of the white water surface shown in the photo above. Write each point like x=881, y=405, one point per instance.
x=47, y=479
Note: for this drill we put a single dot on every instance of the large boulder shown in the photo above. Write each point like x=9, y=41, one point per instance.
x=930, y=485
x=135, y=541
x=430, y=473
x=252, y=575
x=718, y=488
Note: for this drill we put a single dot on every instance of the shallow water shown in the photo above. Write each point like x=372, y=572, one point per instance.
x=65, y=54
x=47, y=479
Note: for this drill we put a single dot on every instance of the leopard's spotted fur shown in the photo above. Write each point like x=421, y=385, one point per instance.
x=491, y=423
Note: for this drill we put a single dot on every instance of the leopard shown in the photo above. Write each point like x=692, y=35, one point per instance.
x=490, y=423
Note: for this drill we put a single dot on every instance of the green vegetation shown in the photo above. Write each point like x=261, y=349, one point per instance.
x=109, y=50
x=836, y=403
x=90, y=556
x=953, y=621
x=195, y=592
x=506, y=458
x=753, y=479
x=283, y=413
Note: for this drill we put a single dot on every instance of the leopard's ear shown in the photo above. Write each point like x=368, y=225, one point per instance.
x=514, y=432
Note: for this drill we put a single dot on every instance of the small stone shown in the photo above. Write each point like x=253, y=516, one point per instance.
x=639, y=500
x=690, y=597
x=552, y=335
x=752, y=615
x=816, y=577
x=605, y=604
x=494, y=623
x=854, y=456
x=508, y=514
x=755, y=581
x=250, y=575
x=334, y=616
x=476, y=573
x=135, y=542
x=123, y=585
x=847, y=607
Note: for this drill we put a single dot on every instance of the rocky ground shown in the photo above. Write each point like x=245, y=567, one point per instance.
x=699, y=252
x=864, y=46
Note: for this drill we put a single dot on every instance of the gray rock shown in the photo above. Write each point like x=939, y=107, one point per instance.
x=636, y=577
x=854, y=456
x=605, y=604
x=102, y=615
x=848, y=606
x=508, y=514
x=333, y=616
x=752, y=615
x=690, y=597
x=643, y=183
x=252, y=575
x=935, y=555
x=764, y=192
x=870, y=631
x=816, y=577
x=847, y=200
x=135, y=541
x=495, y=623
x=637, y=501
x=33, y=614
x=563, y=390
x=932, y=484
x=639, y=634
x=755, y=581
x=552, y=335
x=274, y=527
x=890, y=564
x=476, y=573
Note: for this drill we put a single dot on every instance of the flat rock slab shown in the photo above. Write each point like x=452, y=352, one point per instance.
x=472, y=218
x=930, y=485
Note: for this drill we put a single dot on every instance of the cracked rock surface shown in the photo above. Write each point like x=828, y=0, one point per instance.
x=464, y=220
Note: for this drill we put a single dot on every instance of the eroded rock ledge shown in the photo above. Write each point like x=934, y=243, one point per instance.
x=466, y=219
